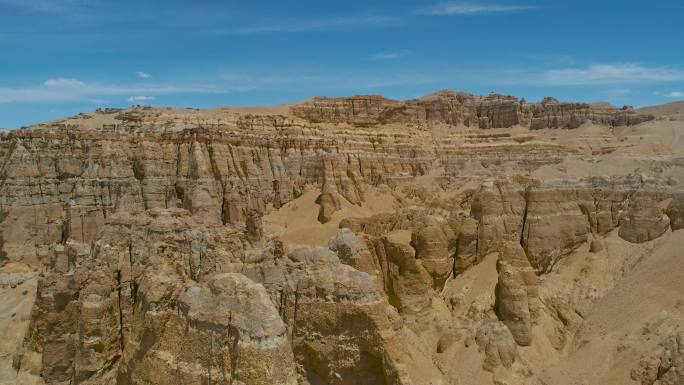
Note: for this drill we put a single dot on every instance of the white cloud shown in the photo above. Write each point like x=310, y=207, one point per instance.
x=35, y=5
x=315, y=24
x=142, y=75
x=674, y=94
x=61, y=8
x=321, y=84
x=457, y=8
x=65, y=89
x=63, y=82
x=141, y=98
x=616, y=92
x=606, y=74
x=389, y=55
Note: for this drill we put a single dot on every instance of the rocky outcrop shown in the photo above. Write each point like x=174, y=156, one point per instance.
x=353, y=250
x=554, y=223
x=625, y=116
x=644, y=220
x=550, y=113
x=61, y=185
x=164, y=297
x=338, y=312
x=466, y=243
x=148, y=232
x=226, y=329
x=552, y=220
x=104, y=318
x=360, y=110
x=499, y=209
x=499, y=111
x=499, y=348
x=457, y=108
x=665, y=366
x=517, y=296
x=407, y=282
x=431, y=242
x=675, y=211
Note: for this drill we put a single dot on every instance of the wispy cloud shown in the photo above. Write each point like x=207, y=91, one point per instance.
x=614, y=93
x=293, y=26
x=549, y=59
x=457, y=8
x=389, y=55
x=61, y=8
x=605, y=74
x=141, y=98
x=325, y=83
x=63, y=82
x=143, y=75
x=69, y=89
x=674, y=94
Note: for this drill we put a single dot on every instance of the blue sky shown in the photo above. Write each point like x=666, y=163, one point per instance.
x=60, y=57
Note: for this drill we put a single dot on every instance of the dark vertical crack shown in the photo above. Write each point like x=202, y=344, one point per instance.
x=294, y=315
x=139, y=175
x=219, y=180
x=102, y=203
x=82, y=228
x=524, y=220
x=234, y=163
x=453, y=265
x=477, y=241
x=5, y=161
x=211, y=355
x=225, y=217
x=179, y=190
x=3, y=255
x=118, y=290
x=270, y=160
x=65, y=225
x=233, y=339
x=133, y=283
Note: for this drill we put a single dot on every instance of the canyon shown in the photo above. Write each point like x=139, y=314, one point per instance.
x=449, y=239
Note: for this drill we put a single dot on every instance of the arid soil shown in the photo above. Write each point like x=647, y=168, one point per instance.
x=451, y=239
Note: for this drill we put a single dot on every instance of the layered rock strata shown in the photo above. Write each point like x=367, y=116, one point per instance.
x=491, y=111
x=156, y=263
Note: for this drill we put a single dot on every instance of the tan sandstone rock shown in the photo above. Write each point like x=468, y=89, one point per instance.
x=516, y=293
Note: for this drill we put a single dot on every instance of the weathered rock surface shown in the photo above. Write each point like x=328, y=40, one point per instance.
x=675, y=212
x=491, y=111
x=224, y=330
x=499, y=347
x=645, y=220
x=146, y=234
x=431, y=242
x=517, y=295
x=665, y=366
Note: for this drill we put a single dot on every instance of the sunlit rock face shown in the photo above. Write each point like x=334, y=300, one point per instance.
x=449, y=239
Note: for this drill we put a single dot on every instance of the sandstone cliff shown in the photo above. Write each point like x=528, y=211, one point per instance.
x=469, y=240
x=491, y=111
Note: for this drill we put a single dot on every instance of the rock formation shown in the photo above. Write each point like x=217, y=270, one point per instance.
x=448, y=239
x=643, y=221
x=491, y=111
x=665, y=365
x=517, y=293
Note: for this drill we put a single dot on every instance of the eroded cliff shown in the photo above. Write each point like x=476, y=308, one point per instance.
x=471, y=240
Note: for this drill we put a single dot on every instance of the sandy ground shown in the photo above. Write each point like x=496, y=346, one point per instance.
x=674, y=108
x=296, y=223
x=646, y=306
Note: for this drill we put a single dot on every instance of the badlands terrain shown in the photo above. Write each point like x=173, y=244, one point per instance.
x=451, y=239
